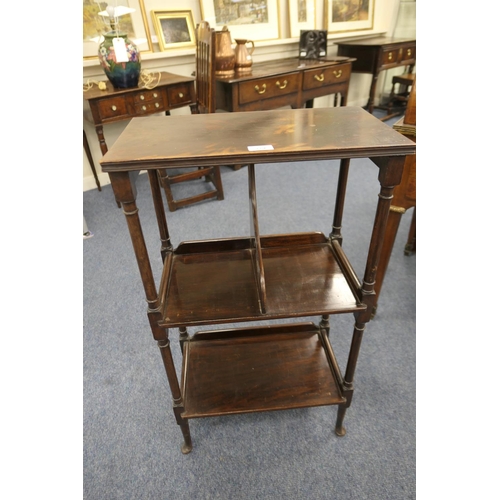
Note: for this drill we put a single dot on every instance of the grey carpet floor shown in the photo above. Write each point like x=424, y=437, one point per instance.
x=131, y=440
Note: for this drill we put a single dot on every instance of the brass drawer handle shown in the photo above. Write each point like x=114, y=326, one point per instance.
x=320, y=78
x=285, y=83
x=142, y=97
x=390, y=56
x=408, y=52
x=155, y=95
x=181, y=95
x=260, y=91
x=144, y=108
x=338, y=73
x=157, y=105
x=113, y=108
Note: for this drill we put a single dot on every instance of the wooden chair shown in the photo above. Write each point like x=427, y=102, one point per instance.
x=400, y=93
x=205, y=103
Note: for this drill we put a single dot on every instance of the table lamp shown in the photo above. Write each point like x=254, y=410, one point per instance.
x=119, y=56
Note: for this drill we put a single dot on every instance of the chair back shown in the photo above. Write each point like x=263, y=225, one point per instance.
x=205, y=68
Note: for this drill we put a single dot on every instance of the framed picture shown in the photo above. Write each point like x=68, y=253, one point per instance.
x=246, y=19
x=312, y=44
x=348, y=15
x=94, y=26
x=174, y=29
x=302, y=16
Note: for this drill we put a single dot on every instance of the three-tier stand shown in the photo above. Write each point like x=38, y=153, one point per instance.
x=257, y=278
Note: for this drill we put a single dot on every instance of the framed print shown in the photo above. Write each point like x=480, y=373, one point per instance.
x=348, y=15
x=312, y=44
x=245, y=19
x=174, y=29
x=94, y=26
x=302, y=16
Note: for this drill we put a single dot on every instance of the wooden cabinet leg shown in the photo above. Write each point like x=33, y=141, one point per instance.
x=168, y=362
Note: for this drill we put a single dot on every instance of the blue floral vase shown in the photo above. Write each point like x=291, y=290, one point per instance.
x=122, y=75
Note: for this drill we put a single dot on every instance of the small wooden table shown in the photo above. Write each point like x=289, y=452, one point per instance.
x=374, y=55
x=168, y=92
x=257, y=277
x=289, y=82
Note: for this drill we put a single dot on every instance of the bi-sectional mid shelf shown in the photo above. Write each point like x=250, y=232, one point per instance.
x=277, y=365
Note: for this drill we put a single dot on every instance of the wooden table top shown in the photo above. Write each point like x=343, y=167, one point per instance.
x=377, y=41
x=282, y=135
x=270, y=68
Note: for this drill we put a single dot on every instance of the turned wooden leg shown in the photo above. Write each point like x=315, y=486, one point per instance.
x=183, y=337
x=348, y=385
x=168, y=362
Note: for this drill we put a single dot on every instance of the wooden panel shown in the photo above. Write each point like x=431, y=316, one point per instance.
x=179, y=94
x=247, y=371
x=266, y=88
x=112, y=108
x=321, y=77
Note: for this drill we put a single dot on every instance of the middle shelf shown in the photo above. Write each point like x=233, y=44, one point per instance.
x=216, y=281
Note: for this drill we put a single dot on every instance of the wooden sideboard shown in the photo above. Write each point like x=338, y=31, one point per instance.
x=289, y=82
x=255, y=277
x=374, y=55
x=168, y=92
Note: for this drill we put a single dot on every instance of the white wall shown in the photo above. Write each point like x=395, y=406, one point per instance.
x=182, y=62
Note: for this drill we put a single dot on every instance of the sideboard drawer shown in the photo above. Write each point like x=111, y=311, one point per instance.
x=112, y=108
x=265, y=88
x=408, y=54
x=179, y=94
x=147, y=95
x=330, y=75
x=149, y=107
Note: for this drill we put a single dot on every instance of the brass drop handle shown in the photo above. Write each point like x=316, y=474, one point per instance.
x=155, y=95
x=260, y=91
x=142, y=97
x=157, y=105
x=390, y=56
x=278, y=84
x=181, y=95
x=144, y=108
x=320, y=78
x=408, y=52
x=338, y=73
x=113, y=108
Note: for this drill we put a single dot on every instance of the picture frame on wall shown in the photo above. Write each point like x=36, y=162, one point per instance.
x=245, y=19
x=348, y=15
x=302, y=16
x=134, y=25
x=174, y=29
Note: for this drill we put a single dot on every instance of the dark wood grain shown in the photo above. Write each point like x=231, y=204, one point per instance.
x=251, y=372
x=217, y=283
x=224, y=138
x=374, y=55
x=288, y=82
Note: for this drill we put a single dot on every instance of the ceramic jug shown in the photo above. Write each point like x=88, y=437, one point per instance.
x=243, y=55
x=224, y=53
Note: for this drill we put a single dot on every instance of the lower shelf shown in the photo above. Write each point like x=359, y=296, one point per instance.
x=257, y=369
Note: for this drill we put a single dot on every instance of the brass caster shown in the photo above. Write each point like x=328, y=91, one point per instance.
x=342, y=432
x=186, y=448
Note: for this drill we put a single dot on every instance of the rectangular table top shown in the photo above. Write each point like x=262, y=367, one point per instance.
x=282, y=135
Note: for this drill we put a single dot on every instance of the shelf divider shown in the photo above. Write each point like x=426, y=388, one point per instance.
x=257, y=261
